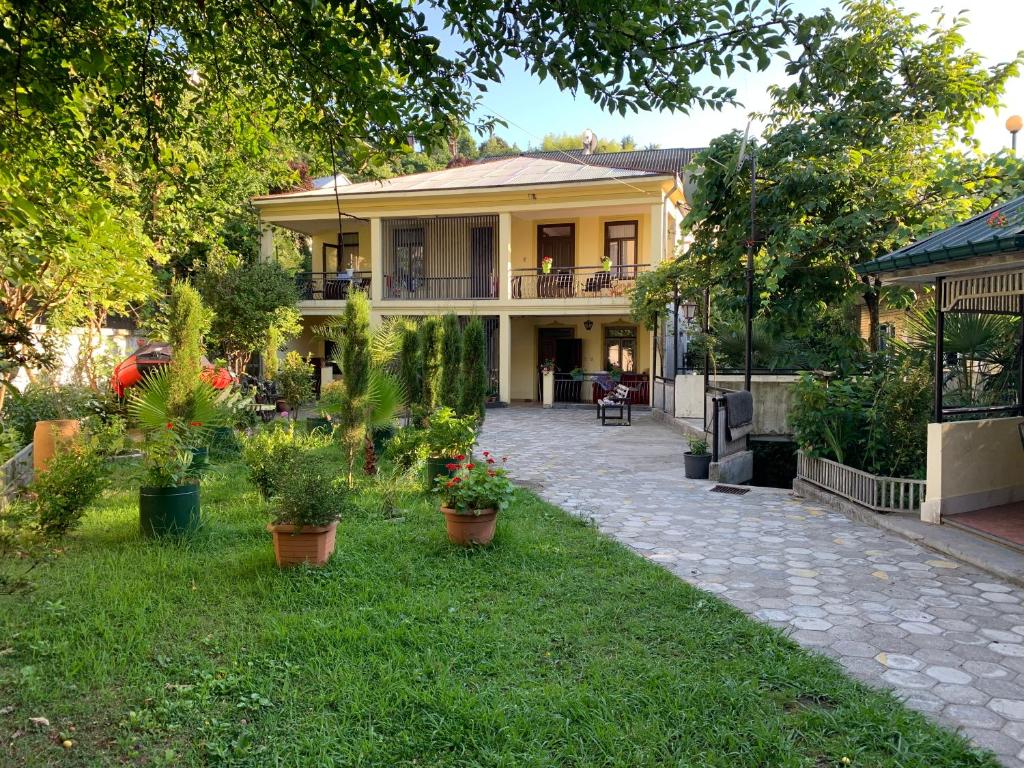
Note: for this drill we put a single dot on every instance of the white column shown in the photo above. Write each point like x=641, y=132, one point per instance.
x=657, y=235
x=548, y=389
x=504, y=256
x=504, y=358
x=266, y=243
x=376, y=262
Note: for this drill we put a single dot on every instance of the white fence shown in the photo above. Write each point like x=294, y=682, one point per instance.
x=15, y=473
x=881, y=494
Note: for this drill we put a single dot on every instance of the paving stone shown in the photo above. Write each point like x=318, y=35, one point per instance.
x=948, y=675
x=1011, y=709
x=972, y=716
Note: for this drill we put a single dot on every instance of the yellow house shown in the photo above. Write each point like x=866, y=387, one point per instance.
x=544, y=247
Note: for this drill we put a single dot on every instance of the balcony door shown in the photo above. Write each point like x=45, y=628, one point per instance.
x=481, y=262
x=620, y=247
x=559, y=242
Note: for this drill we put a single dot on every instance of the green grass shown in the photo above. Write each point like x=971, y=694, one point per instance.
x=554, y=647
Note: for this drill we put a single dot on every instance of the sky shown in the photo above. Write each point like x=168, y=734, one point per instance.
x=532, y=108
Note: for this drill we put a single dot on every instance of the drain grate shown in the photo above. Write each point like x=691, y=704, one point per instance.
x=730, y=489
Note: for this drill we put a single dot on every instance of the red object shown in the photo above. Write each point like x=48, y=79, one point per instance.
x=151, y=357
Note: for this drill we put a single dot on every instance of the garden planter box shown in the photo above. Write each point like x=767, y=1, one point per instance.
x=466, y=530
x=170, y=511
x=294, y=545
x=696, y=466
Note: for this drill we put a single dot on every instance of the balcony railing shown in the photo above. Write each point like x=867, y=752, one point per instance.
x=330, y=285
x=588, y=387
x=434, y=288
x=575, y=282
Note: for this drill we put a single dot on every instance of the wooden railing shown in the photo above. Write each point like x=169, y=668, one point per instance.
x=575, y=282
x=880, y=494
x=314, y=286
x=15, y=473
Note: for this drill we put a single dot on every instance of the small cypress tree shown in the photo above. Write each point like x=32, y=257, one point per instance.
x=473, y=393
x=410, y=367
x=451, y=361
x=355, y=370
x=188, y=322
x=430, y=353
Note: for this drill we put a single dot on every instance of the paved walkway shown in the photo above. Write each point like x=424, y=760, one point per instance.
x=943, y=635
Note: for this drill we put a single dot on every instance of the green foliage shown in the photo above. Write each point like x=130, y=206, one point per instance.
x=430, y=343
x=10, y=443
x=74, y=476
x=295, y=381
x=698, y=446
x=43, y=401
x=354, y=339
x=253, y=305
x=271, y=361
x=876, y=422
x=451, y=361
x=406, y=448
x=309, y=490
x=266, y=451
x=448, y=435
x=410, y=366
x=564, y=141
x=187, y=324
x=473, y=378
x=474, y=487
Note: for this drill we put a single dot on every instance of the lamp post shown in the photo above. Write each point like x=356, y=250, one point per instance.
x=748, y=357
x=1013, y=124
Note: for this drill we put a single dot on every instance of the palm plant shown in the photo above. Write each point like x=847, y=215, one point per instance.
x=385, y=397
x=152, y=406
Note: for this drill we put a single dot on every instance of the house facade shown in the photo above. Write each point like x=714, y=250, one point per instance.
x=544, y=247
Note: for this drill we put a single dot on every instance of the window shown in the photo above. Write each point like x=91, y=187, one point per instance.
x=559, y=242
x=620, y=347
x=409, y=257
x=620, y=247
x=347, y=258
x=886, y=332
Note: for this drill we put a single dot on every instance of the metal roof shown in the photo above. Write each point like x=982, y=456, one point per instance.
x=519, y=170
x=671, y=160
x=998, y=230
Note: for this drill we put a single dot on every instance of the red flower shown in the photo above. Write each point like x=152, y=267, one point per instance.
x=449, y=484
x=456, y=479
x=460, y=456
x=451, y=466
x=170, y=425
x=470, y=466
x=491, y=473
x=195, y=423
x=490, y=460
x=487, y=453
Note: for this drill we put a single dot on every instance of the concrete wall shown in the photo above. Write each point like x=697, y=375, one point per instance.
x=589, y=238
x=973, y=465
x=773, y=398
x=117, y=344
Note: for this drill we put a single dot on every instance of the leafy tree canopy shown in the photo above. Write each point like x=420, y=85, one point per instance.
x=575, y=141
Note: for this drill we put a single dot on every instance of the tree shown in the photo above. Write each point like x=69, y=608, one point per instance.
x=430, y=353
x=250, y=301
x=552, y=141
x=451, y=361
x=354, y=337
x=870, y=147
x=473, y=392
x=410, y=369
x=295, y=381
x=188, y=323
x=495, y=146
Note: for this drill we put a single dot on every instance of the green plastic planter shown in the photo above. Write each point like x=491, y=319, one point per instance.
x=168, y=511
x=435, y=467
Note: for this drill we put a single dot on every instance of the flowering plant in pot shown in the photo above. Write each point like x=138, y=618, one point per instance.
x=606, y=264
x=545, y=264
x=472, y=498
x=697, y=461
x=310, y=496
x=448, y=438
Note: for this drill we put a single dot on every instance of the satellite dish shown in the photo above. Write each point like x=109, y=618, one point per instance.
x=691, y=177
x=589, y=142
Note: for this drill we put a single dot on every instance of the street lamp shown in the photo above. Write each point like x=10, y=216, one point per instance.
x=689, y=311
x=1013, y=124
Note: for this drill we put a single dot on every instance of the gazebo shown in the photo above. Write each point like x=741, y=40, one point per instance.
x=975, y=468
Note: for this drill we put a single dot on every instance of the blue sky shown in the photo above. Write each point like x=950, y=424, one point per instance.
x=534, y=108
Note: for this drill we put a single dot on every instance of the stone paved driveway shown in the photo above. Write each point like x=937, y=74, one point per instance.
x=943, y=635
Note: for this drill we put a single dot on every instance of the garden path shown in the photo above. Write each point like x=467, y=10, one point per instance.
x=947, y=638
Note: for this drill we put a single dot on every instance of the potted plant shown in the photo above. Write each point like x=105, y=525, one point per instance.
x=548, y=366
x=697, y=460
x=310, y=495
x=472, y=498
x=546, y=264
x=615, y=372
x=577, y=373
x=448, y=439
x=606, y=264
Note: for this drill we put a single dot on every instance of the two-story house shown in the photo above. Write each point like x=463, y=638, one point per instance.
x=474, y=240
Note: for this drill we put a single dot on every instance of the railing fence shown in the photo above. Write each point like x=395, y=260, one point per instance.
x=880, y=494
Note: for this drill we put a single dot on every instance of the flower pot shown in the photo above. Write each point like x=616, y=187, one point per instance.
x=466, y=530
x=314, y=423
x=201, y=458
x=168, y=511
x=435, y=466
x=294, y=545
x=696, y=465
x=47, y=437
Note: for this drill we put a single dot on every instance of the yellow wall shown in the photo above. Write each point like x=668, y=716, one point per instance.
x=589, y=238
x=524, y=348
x=362, y=228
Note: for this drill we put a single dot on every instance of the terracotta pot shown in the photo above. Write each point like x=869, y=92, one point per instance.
x=466, y=530
x=313, y=544
x=47, y=437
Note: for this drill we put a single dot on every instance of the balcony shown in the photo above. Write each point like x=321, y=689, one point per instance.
x=330, y=286
x=575, y=282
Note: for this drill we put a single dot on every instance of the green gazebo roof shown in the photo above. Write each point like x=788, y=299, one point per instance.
x=998, y=230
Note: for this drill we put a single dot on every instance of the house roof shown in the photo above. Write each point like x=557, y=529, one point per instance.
x=518, y=170
x=997, y=230
x=671, y=160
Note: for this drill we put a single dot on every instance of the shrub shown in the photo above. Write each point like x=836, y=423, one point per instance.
x=473, y=394
x=10, y=444
x=309, y=489
x=407, y=447
x=410, y=368
x=430, y=357
x=451, y=361
x=73, y=478
x=448, y=435
x=187, y=324
x=43, y=402
x=295, y=381
x=266, y=451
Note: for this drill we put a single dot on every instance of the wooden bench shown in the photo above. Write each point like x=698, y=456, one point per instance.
x=618, y=402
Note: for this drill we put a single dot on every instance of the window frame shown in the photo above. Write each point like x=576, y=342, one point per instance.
x=634, y=345
x=620, y=268
x=346, y=244
x=571, y=236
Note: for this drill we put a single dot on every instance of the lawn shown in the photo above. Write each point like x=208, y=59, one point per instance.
x=554, y=647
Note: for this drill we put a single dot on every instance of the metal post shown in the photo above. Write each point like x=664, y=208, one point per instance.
x=675, y=342
x=748, y=362
x=1020, y=360
x=714, y=428
x=707, y=353
x=940, y=358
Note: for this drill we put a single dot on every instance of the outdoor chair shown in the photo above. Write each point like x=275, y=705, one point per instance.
x=616, y=405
